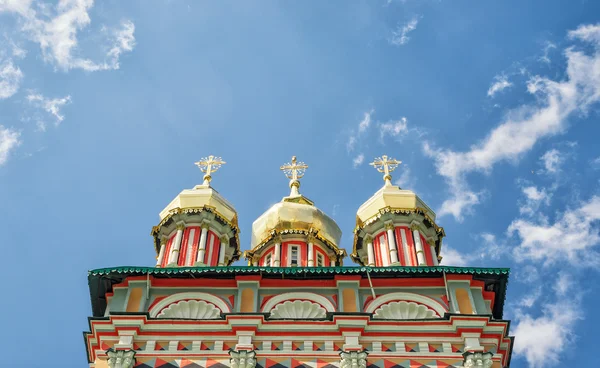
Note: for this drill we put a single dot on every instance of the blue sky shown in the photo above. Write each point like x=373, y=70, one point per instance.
x=491, y=106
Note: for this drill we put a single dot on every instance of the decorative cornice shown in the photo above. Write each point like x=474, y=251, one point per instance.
x=478, y=360
x=180, y=227
x=242, y=359
x=121, y=358
x=389, y=226
x=278, y=233
x=353, y=359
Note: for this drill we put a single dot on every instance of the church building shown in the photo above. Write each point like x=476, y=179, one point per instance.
x=301, y=301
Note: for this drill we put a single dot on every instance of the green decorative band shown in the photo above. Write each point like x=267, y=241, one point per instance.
x=298, y=270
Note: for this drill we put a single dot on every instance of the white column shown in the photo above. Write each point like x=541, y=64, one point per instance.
x=383, y=250
x=190, y=247
x=176, y=245
x=332, y=261
x=433, y=255
x=161, y=253
x=277, y=256
x=223, y=245
x=392, y=243
x=255, y=263
x=311, y=252
x=407, y=257
x=370, y=251
x=202, y=245
x=419, y=247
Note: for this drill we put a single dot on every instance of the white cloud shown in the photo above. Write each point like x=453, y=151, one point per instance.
x=406, y=181
x=363, y=125
x=365, y=122
x=57, y=34
x=533, y=199
x=530, y=298
x=564, y=284
x=542, y=339
x=10, y=79
x=394, y=128
x=549, y=46
x=400, y=35
x=452, y=257
x=9, y=140
x=500, y=84
x=522, y=127
x=358, y=160
x=552, y=160
x=51, y=105
x=571, y=238
x=588, y=33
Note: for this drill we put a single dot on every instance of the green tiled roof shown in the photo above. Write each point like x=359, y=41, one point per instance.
x=296, y=270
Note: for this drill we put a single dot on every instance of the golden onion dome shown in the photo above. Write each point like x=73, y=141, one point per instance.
x=295, y=214
x=395, y=207
x=191, y=211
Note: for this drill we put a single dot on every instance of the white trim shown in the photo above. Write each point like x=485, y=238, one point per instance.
x=407, y=258
x=190, y=245
x=289, y=257
x=211, y=247
x=218, y=302
x=392, y=297
x=319, y=299
x=321, y=257
x=384, y=250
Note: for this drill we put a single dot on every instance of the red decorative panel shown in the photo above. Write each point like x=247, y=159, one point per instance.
x=400, y=246
x=427, y=250
x=168, y=247
x=211, y=257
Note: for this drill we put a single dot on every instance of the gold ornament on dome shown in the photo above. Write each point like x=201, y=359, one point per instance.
x=386, y=165
x=294, y=170
x=209, y=165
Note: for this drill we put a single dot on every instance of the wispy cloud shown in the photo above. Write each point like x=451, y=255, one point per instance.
x=552, y=160
x=400, y=35
x=452, y=257
x=393, y=128
x=358, y=160
x=501, y=83
x=541, y=339
x=10, y=79
x=9, y=140
x=547, y=48
x=571, y=238
x=55, y=29
x=51, y=105
x=406, y=180
x=523, y=126
x=534, y=197
x=363, y=125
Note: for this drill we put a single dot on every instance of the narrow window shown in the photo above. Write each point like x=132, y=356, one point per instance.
x=320, y=260
x=268, y=260
x=294, y=256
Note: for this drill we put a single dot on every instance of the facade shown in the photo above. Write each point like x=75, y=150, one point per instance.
x=295, y=304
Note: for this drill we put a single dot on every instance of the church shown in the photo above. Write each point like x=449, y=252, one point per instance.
x=301, y=301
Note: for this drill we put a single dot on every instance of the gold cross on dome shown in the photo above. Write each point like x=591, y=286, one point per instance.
x=209, y=165
x=294, y=170
x=386, y=165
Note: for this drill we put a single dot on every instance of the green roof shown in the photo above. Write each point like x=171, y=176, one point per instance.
x=296, y=270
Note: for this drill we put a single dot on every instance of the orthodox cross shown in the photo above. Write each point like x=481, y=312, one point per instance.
x=294, y=170
x=209, y=165
x=386, y=165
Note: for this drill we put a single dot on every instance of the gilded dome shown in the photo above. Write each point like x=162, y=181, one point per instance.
x=295, y=216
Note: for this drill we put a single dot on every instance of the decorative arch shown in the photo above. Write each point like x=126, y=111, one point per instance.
x=438, y=308
x=316, y=298
x=209, y=298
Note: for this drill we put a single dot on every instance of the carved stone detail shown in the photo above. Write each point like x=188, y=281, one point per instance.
x=242, y=359
x=403, y=310
x=478, y=360
x=121, y=358
x=192, y=309
x=353, y=359
x=298, y=309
